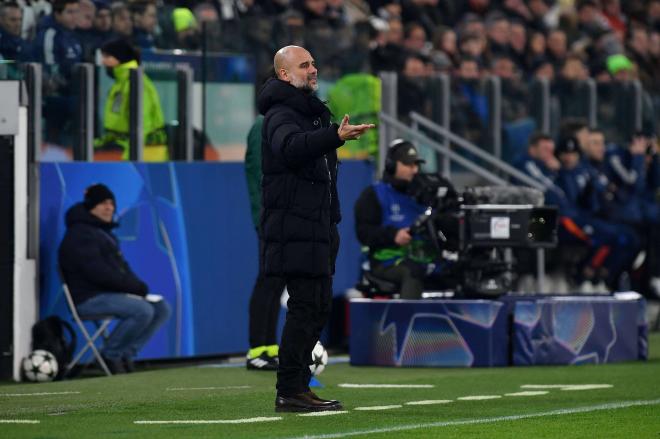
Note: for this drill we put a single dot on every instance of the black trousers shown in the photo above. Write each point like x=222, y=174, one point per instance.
x=310, y=300
x=265, y=310
x=407, y=274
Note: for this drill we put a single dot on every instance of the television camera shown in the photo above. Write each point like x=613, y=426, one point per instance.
x=478, y=227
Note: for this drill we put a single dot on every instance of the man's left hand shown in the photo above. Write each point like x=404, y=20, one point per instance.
x=347, y=131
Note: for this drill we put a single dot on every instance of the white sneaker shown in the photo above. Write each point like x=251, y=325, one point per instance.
x=601, y=287
x=586, y=287
x=655, y=286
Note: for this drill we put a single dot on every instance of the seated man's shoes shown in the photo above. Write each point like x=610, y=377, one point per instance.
x=115, y=365
x=262, y=362
x=305, y=402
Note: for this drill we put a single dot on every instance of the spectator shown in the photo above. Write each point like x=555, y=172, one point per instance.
x=469, y=105
x=102, y=31
x=557, y=47
x=498, y=29
x=412, y=95
x=58, y=48
x=187, y=31
x=472, y=46
x=414, y=39
x=518, y=45
x=444, y=40
x=648, y=66
x=119, y=57
x=12, y=46
x=209, y=24
x=615, y=18
x=543, y=69
x=57, y=44
x=145, y=21
x=122, y=25
x=85, y=28
x=389, y=54
x=620, y=68
x=102, y=282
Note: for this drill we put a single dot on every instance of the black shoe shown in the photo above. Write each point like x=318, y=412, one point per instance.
x=304, y=402
x=129, y=365
x=314, y=396
x=262, y=362
x=116, y=366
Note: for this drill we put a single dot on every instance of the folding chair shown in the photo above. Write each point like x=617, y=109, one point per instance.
x=101, y=321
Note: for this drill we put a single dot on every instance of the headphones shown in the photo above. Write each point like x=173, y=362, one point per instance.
x=390, y=161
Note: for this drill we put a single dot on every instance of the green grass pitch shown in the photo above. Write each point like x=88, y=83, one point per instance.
x=113, y=407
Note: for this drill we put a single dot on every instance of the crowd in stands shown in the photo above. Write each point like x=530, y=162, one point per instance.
x=609, y=206
x=508, y=38
x=564, y=41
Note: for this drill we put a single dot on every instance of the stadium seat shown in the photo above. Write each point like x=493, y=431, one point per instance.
x=100, y=321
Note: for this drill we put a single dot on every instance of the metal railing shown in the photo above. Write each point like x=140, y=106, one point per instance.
x=471, y=148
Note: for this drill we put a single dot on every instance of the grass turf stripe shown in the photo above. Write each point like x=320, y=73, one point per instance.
x=207, y=388
x=386, y=386
x=39, y=394
x=429, y=402
x=528, y=393
x=211, y=421
x=558, y=412
x=325, y=413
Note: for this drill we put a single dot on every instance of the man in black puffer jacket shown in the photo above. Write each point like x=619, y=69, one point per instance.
x=299, y=238
x=102, y=283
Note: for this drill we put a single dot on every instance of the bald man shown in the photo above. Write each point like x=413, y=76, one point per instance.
x=300, y=212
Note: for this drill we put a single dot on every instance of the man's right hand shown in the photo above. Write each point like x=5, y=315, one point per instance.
x=347, y=131
x=403, y=237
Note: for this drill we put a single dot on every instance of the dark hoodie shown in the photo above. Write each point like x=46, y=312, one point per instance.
x=299, y=193
x=91, y=260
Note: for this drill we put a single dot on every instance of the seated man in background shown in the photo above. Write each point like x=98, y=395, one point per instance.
x=384, y=213
x=102, y=282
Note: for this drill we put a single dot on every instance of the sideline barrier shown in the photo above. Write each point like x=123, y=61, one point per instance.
x=428, y=333
x=515, y=330
x=185, y=228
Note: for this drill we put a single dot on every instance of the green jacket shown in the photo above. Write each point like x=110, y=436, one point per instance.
x=116, y=116
x=253, y=168
x=357, y=95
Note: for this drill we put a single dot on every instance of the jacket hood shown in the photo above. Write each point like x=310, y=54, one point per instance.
x=78, y=214
x=276, y=91
x=122, y=71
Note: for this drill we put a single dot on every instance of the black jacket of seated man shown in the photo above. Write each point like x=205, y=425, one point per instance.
x=91, y=260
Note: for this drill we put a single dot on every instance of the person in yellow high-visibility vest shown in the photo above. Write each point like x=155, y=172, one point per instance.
x=119, y=57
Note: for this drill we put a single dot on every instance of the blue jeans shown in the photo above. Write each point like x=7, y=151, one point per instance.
x=138, y=321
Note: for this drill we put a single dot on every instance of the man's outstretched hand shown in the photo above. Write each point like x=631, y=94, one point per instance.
x=347, y=131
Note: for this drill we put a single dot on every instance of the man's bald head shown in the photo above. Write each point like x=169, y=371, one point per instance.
x=295, y=65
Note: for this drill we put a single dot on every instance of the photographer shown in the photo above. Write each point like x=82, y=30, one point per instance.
x=383, y=216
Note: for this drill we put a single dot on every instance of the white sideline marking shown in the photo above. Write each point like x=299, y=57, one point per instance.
x=558, y=412
x=19, y=421
x=587, y=387
x=387, y=386
x=528, y=393
x=325, y=413
x=207, y=388
x=379, y=407
x=212, y=421
x=478, y=397
x=429, y=402
x=38, y=394
x=567, y=386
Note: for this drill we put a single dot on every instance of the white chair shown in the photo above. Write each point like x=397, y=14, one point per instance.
x=101, y=321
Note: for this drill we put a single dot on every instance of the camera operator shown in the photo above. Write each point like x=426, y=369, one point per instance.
x=383, y=216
